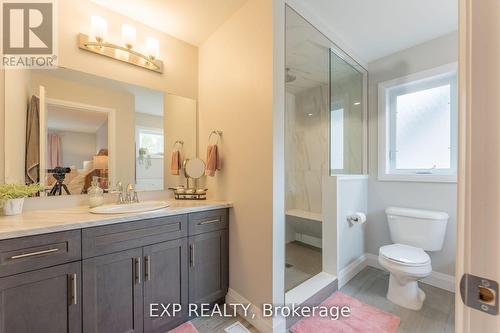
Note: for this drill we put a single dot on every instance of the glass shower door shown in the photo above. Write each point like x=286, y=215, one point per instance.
x=347, y=118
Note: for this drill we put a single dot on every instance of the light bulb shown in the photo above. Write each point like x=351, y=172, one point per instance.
x=153, y=47
x=129, y=35
x=98, y=28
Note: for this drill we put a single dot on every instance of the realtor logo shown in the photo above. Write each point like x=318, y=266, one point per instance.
x=28, y=33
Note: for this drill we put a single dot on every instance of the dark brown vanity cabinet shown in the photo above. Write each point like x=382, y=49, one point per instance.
x=208, y=256
x=106, y=278
x=165, y=282
x=119, y=288
x=112, y=293
x=40, y=283
x=208, y=267
x=45, y=300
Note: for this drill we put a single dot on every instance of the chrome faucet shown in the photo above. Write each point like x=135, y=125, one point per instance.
x=119, y=191
x=125, y=196
x=131, y=194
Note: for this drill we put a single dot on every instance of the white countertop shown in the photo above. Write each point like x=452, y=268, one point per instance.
x=37, y=222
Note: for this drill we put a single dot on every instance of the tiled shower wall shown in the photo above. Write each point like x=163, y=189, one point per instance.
x=306, y=148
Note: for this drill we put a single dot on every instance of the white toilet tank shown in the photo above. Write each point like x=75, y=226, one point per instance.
x=420, y=228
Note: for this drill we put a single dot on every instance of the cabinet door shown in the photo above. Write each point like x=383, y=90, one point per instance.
x=208, y=267
x=112, y=293
x=45, y=300
x=165, y=282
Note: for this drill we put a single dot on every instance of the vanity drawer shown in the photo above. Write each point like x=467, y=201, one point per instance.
x=24, y=254
x=208, y=221
x=129, y=235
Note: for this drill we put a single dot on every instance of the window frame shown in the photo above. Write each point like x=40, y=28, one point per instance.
x=427, y=79
x=150, y=130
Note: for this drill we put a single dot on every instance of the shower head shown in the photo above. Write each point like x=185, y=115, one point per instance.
x=289, y=77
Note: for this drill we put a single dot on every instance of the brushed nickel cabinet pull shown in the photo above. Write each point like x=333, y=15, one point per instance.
x=32, y=254
x=191, y=255
x=137, y=263
x=73, y=289
x=147, y=265
x=209, y=222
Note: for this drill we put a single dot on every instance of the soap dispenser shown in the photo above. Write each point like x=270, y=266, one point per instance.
x=96, y=194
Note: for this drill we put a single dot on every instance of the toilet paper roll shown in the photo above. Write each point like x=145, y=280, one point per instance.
x=357, y=218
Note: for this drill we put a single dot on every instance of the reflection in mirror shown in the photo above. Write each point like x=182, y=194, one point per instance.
x=66, y=127
x=149, y=139
x=76, y=147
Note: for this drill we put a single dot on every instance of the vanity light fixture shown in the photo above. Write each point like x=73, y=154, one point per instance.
x=357, y=103
x=97, y=43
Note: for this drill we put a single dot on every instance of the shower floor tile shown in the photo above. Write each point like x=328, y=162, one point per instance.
x=303, y=262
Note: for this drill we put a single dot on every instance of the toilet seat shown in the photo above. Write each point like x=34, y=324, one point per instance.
x=405, y=255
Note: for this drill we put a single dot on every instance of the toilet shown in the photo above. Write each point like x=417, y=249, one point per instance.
x=413, y=232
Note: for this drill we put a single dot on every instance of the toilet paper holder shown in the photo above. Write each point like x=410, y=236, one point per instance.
x=356, y=218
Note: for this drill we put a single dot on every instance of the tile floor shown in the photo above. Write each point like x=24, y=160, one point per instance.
x=436, y=316
x=303, y=262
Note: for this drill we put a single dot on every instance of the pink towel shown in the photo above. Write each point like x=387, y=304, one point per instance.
x=175, y=165
x=363, y=319
x=213, y=160
x=184, y=328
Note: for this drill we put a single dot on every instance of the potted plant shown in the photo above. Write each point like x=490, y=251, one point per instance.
x=12, y=196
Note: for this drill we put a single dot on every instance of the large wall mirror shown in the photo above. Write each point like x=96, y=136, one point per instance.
x=66, y=127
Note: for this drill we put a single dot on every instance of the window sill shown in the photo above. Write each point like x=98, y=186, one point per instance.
x=433, y=178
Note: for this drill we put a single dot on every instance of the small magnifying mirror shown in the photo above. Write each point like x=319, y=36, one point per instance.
x=194, y=168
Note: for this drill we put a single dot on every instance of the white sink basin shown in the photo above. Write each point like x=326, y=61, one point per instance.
x=145, y=206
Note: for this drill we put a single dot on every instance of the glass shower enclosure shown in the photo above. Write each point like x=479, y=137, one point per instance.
x=325, y=135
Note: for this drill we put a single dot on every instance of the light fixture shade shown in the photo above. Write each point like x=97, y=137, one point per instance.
x=98, y=28
x=153, y=47
x=129, y=35
x=100, y=162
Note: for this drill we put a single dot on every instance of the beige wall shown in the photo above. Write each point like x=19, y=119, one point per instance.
x=235, y=96
x=76, y=147
x=2, y=126
x=17, y=93
x=101, y=137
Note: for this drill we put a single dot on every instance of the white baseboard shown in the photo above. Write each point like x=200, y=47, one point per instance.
x=436, y=279
x=372, y=260
x=440, y=280
x=254, y=316
x=350, y=271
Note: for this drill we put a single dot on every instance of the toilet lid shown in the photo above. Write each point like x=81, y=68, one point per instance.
x=405, y=254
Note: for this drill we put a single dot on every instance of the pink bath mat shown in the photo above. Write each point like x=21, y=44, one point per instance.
x=363, y=319
x=184, y=328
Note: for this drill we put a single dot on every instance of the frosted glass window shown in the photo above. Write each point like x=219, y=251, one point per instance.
x=422, y=127
x=337, y=139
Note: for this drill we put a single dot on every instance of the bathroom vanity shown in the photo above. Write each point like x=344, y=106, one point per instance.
x=93, y=273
